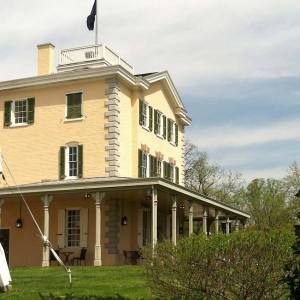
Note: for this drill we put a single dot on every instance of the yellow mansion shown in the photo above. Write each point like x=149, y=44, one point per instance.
x=98, y=153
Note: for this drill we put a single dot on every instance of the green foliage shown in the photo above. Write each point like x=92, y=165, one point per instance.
x=245, y=265
x=265, y=199
x=293, y=276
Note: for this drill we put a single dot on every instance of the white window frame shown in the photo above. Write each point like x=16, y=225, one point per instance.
x=67, y=161
x=66, y=107
x=66, y=227
x=145, y=170
x=160, y=163
x=172, y=172
x=13, y=115
x=173, y=135
x=145, y=108
x=160, y=124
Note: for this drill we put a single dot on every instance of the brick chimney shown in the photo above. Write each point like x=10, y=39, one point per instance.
x=45, y=59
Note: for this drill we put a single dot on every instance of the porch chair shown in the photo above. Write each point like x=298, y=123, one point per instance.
x=52, y=257
x=80, y=258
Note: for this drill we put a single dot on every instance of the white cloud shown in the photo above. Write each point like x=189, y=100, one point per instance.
x=233, y=136
x=193, y=39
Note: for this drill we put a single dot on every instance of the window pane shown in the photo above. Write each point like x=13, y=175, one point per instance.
x=20, y=112
x=73, y=228
x=73, y=161
x=74, y=103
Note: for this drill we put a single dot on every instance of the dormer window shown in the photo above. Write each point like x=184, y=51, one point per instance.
x=74, y=106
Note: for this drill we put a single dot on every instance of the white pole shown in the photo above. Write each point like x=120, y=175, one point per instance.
x=97, y=9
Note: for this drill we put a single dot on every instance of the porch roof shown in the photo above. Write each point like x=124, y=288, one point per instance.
x=106, y=184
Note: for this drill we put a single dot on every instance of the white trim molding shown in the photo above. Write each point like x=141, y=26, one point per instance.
x=112, y=127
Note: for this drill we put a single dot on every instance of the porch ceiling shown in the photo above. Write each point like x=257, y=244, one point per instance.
x=108, y=184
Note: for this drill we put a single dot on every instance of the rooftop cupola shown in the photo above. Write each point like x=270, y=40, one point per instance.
x=95, y=56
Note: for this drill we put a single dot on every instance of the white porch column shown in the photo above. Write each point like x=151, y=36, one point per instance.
x=191, y=218
x=154, y=217
x=174, y=220
x=1, y=203
x=46, y=202
x=237, y=225
x=205, y=215
x=217, y=222
x=227, y=226
x=98, y=196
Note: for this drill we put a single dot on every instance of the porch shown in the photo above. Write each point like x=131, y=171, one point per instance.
x=108, y=216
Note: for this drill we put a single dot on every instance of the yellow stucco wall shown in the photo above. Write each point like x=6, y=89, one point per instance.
x=32, y=152
x=156, y=98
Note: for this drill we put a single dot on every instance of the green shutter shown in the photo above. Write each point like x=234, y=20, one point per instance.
x=31, y=107
x=7, y=113
x=156, y=122
x=150, y=118
x=164, y=127
x=169, y=129
x=177, y=175
x=62, y=155
x=141, y=112
x=176, y=134
x=140, y=163
x=74, y=103
x=80, y=161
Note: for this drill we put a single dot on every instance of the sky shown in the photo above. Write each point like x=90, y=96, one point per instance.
x=236, y=65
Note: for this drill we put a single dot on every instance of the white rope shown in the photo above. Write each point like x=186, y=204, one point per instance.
x=44, y=238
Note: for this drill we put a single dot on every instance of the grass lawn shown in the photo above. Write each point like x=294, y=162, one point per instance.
x=127, y=281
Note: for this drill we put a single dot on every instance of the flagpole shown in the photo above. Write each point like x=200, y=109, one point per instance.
x=96, y=31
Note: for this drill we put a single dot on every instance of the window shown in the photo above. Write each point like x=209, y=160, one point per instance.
x=19, y=112
x=146, y=115
x=159, y=168
x=74, y=106
x=144, y=165
x=172, y=132
x=71, y=162
x=73, y=228
x=159, y=123
x=171, y=177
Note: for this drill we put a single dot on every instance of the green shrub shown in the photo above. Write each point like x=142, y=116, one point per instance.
x=244, y=265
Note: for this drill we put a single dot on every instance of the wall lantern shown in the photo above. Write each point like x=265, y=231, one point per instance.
x=87, y=196
x=124, y=221
x=19, y=222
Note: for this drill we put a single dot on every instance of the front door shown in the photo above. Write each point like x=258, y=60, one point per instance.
x=4, y=240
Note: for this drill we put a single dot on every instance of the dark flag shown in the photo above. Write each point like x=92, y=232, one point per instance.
x=91, y=18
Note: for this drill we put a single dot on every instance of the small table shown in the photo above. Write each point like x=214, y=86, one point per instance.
x=67, y=255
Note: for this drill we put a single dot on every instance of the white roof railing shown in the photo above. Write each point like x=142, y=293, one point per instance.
x=90, y=54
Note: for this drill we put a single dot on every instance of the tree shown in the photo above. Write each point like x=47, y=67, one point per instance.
x=208, y=178
x=265, y=199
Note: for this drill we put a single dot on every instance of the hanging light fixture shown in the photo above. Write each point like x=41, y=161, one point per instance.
x=124, y=221
x=19, y=222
